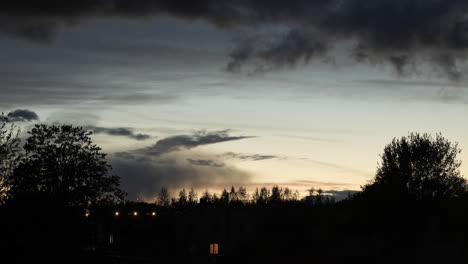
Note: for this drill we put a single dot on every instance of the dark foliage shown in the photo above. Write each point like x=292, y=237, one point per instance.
x=418, y=167
x=62, y=162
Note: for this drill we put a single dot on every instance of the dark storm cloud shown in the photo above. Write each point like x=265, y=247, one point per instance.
x=403, y=34
x=119, y=131
x=267, y=55
x=22, y=115
x=181, y=142
x=143, y=175
x=144, y=171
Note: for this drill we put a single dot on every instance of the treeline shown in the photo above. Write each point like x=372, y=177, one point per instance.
x=261, y=196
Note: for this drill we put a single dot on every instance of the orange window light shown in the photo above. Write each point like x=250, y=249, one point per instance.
x=214, y=249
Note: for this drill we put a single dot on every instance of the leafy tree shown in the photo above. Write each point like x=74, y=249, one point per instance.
x=63, y=163
x=9, y=152
x=418, y=167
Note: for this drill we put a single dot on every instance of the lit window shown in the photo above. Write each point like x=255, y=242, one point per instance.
x=214, y=249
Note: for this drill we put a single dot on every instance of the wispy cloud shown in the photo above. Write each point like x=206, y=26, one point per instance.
x=119, y=131
x=204, y=162
x=339, y=167
x=248, y=157
x=181, y=142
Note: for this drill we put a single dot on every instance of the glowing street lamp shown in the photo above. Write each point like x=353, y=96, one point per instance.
x=117, y=213
x=153, y=213
x=135, y=213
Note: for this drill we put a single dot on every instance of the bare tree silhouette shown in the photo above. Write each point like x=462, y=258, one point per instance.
x=9, y=153
x=164, y=198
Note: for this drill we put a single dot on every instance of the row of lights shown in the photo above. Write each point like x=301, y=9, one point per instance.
x=135, y=213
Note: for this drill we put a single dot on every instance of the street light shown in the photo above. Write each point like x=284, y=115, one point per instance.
x=135, y=213
x=117, y=213
x=153, y=213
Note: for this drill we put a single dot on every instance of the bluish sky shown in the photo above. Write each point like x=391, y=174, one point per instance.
x=257, y=103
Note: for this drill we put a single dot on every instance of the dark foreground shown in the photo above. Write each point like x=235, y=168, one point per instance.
x=285, y=232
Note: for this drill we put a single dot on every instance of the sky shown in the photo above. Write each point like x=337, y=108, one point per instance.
x=209, y=94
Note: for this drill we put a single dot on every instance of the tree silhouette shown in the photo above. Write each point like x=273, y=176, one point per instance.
x=233, y=195
x=192, y=196
x=256, y=196
x=224, y=197
x=319, y=196
x=287, y=194
x=263, y=196
x=183, y=197
x=242, y=194
x=164, y=198
x=310, y=198
x=206, y=198
x=276, y=194
x=9, y=152
x=63, y=163
x=418, y=167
